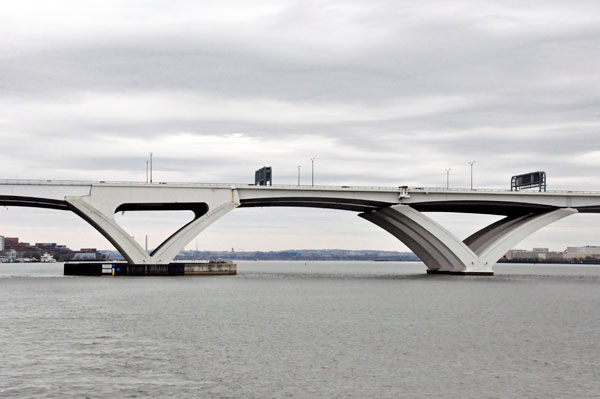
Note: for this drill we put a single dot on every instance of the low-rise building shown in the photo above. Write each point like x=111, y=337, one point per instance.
x=537, y=255
x=551, y=256
x=588, y=251
x=84, y=256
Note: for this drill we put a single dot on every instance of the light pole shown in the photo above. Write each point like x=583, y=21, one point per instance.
x=146, y=171
x=150, y=167
x=448, y=178
x=299, y=175
x=312, y=171
x=471, y=163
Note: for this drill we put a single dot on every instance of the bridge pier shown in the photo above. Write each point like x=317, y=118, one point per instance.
x=105, y=223
x=169, y=249
x=444, y=253
x=99, y=207
x=465, y=273
x=171, y=269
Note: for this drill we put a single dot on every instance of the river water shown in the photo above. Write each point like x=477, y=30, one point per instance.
x=302, y=330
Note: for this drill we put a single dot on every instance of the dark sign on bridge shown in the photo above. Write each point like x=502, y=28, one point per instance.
x=529, y=180
x=263, y=176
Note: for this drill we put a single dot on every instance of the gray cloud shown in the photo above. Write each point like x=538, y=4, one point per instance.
x=385, y=94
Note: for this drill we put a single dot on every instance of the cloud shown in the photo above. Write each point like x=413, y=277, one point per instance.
x=388, y=93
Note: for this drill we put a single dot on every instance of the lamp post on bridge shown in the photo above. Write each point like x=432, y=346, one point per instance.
x=150, y=167
x=448, y=178
x=471, y=163
x=147, y=169
x=312, y=162
x=299, y=175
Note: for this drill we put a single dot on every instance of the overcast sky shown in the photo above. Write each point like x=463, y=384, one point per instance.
x=381, y=93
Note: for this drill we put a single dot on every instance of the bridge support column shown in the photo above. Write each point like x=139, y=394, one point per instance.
x=105, y=223
x=443, y=252
x=492, y=242
x=174, y=244
x=108, y=227
x=440, y=250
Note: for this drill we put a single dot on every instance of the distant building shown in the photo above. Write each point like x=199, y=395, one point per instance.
x=551, y=255
x=516, y=254
x=538, y=254
x=46, y=246
x=10, y=243
x=62, y=253
x=88, y=254
x=84, y=256
x=520, y=254
x=583, y=252
x=1, y=243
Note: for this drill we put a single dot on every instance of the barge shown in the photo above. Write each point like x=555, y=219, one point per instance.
x=210, y=268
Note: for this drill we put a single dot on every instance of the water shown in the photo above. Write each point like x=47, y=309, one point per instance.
x=290, y=329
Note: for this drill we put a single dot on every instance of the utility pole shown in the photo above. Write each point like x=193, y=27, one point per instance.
x=299, y=175
x=312, y=173
x=471, y=163
x=150, y=167
x=448, y=178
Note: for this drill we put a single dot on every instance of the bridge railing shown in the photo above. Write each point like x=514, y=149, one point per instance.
x=225, y=185
x=500, y=190
x=289, y=186
x=46, y=182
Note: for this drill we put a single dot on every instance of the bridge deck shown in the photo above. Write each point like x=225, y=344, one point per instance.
x=52, y=194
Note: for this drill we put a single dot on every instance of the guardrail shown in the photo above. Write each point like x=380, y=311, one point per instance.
x=39, y=181
x=499, y=190
x=291, y=186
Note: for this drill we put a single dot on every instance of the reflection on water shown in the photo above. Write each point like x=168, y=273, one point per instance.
x=314, y=329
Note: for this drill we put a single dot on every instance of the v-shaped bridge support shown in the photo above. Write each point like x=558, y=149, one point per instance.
x=101, y=216
x=442, y=251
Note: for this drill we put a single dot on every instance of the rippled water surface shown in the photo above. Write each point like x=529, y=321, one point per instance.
x=290, y=329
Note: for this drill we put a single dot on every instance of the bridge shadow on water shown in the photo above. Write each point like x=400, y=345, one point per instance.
x=500, y=278
x=315, y=275
x=330, y=276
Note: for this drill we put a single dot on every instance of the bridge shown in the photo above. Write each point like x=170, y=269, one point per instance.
x=399, y=210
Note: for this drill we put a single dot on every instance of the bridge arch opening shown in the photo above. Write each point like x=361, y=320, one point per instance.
x=462, y=225
x=281, y=228
x=156, y=226
x=577, y=230
x=556, y=237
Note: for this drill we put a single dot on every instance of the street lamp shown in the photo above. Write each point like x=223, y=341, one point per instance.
x=299, y=175
x=150, y=167
x=312, y=163
x=147, y=171
x=448, y=178
x=471, y=163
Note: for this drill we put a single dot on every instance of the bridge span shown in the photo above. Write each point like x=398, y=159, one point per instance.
x=398, y=210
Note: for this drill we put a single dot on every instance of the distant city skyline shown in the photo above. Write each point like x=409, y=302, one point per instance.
x=40, y=244
x=377, y=93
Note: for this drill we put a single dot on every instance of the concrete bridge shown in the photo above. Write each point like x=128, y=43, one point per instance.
x=397, y=210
